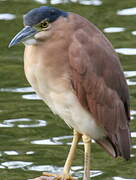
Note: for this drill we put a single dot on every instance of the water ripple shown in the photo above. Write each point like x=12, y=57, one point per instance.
x=131, y=83
x=91, y=2
x=93, y=173
x=126, y=51
x=13, y=123
x=11, y=153
x=55, y=141
x=16, y=164
x=29, y=152
x=133, y=114
x=41, y=1
x=20, y=90
x=134, y=33
x=133, y=134
x=47, y=168
x=120, y=178
x=114, y=29
x=31, y=96
x=129, y=74
x=52, y=141
x=15, y=153
x=7, y=16
x=83, y=2
x=2, y=167
x=126, y=12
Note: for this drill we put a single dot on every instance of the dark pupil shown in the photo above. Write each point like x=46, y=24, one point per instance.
x=44, y=24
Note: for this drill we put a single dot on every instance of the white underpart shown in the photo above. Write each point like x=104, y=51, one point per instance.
x=67, y=106
x=30, y=41
x=63, y=102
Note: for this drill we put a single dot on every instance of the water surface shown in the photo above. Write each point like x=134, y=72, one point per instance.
x=32, y=139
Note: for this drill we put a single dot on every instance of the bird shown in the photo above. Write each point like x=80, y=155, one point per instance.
x=74, y=68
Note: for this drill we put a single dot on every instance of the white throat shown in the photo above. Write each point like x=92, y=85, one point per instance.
x=30, y=41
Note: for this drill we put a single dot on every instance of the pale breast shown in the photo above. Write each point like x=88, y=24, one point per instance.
x=58, y=94
x=68, y=108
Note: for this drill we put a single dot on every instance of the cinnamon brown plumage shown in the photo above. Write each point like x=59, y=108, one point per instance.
x=74, y=68
x=100, y=85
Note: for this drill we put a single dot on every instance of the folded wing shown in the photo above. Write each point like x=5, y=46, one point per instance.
x=101, y=88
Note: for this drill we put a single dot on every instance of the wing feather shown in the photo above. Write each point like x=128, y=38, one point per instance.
x=100, y=86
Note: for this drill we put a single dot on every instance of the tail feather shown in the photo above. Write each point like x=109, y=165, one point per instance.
x=106, y=144
x=124, y=143
x=117, y=145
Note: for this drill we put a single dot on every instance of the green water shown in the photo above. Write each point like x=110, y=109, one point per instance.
x=32, y=139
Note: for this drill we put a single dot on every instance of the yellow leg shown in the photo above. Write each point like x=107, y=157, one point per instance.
x=87, y=151
x=72, y=152
x=68, y=163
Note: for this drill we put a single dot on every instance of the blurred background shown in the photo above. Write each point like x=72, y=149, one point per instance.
x=32, y=139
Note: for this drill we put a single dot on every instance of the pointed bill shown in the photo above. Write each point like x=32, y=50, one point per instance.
x=25, y=33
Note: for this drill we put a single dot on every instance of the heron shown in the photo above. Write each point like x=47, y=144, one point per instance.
x=73, y=67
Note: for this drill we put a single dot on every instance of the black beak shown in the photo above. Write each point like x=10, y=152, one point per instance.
x=25, y=33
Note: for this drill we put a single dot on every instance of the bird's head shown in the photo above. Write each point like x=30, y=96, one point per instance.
x=37, y=24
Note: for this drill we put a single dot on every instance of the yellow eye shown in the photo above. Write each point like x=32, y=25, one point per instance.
x=44, y=24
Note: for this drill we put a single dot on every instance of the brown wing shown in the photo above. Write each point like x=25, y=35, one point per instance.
x=101, y=87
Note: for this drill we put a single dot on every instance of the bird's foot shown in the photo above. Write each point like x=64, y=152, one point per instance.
x=65, y=177
x=59, y=177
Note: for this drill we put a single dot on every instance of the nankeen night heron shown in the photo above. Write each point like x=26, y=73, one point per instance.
x=74, y=69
